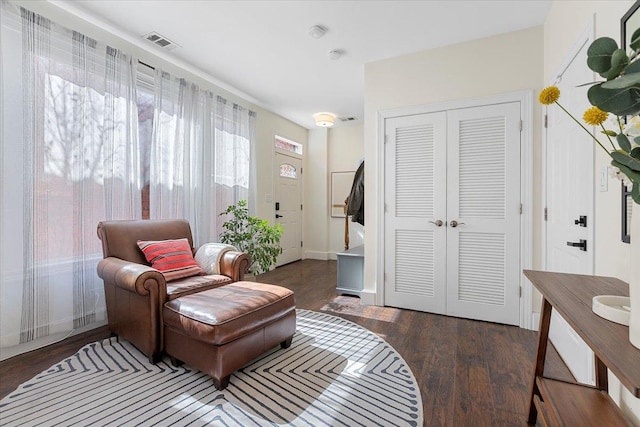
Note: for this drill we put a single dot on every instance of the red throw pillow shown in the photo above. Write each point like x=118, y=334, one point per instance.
x=172, y=258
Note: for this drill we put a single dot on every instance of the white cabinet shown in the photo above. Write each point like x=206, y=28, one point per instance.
x=351, y=271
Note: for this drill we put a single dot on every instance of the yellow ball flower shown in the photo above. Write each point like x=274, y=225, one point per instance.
x=549, y=95
x=595, y=116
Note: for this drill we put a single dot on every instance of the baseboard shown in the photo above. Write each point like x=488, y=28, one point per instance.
x=8, y=352
x=333, y=256
x=368, y=297
x=323, y=256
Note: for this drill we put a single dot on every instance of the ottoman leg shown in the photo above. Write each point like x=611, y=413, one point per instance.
x=155, y=358
x=286, y=343
x=175, y=362
x=221, y=383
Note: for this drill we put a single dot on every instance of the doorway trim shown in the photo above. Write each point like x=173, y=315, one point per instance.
x=526, y=184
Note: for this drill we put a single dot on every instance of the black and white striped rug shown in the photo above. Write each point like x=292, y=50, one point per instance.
x=336, y=373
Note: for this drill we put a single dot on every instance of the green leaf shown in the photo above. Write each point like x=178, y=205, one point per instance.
x=627, y=161
x=624, y=142
x=635, y=192
x=635, y=40
x=619, y=60
x=609, y=132
x=622, y=82
x=632, y=68
x=635, y=153
x=621, y=102
x=631, y=174
x=599, y=54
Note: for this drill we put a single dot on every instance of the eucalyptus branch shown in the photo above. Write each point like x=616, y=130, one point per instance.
x=585, y=129
x=608, y=136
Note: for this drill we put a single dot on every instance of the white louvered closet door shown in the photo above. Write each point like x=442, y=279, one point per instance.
x=415, y=198
x=483, y=196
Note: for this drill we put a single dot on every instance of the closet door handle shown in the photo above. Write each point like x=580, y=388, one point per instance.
x=455, y=223
x=438, y=223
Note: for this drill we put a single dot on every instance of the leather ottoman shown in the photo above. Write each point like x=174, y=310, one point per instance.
x=220, y=330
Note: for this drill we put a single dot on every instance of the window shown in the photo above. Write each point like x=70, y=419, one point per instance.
x=288, y=171
x=288, y=145
x=78, y=139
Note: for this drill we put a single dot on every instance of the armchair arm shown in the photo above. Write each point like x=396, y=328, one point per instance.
x=234, y=264
x=133, y=277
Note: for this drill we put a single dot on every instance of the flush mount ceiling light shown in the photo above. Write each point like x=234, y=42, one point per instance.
x=324, y=120
x=317, y=31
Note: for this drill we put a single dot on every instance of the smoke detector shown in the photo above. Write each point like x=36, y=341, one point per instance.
x=160, y=40
x=317, y=31
x=335, y=54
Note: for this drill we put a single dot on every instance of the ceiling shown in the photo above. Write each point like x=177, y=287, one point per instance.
x=262, y=49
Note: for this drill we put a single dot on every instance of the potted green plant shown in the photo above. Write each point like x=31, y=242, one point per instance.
x=252, y=235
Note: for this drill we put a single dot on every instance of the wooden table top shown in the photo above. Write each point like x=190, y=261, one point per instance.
x=571, y=295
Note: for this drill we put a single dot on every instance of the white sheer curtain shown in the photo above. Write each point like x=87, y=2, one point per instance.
x=74, y=162
x=235, y=156
x=183, y=155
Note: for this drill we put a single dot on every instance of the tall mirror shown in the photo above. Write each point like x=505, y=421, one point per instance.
x=628, y=24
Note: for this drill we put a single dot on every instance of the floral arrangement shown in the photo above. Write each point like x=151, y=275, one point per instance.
x=619, y=95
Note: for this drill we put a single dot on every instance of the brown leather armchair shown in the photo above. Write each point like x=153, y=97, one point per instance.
x=135, y=293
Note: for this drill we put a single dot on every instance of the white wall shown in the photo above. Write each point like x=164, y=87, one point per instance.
x=346, y=149
x=267, y=126
x=503, y=63
x=564, y=24
x=316, y=200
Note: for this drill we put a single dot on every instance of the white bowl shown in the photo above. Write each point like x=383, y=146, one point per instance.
x=612, y=307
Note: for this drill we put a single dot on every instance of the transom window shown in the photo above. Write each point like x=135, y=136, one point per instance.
x=288, y=145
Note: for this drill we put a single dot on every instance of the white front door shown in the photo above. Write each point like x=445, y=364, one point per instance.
x=569, y=198
x=289, y=207
x=452, y=212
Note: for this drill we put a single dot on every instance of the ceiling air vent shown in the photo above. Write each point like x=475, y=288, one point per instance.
x=160, y=40
x=347, y=119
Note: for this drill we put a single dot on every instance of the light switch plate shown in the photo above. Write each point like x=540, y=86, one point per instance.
x=604, y=179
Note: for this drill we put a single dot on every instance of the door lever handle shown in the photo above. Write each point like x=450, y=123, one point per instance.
x=279, y=216
x=455, y=223
x=438, y=222
x=582, y=244
x=582, y=221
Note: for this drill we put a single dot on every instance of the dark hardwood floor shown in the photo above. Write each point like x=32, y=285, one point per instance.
x=470, y=373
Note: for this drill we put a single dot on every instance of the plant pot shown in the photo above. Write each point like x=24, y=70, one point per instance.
x=634, y=279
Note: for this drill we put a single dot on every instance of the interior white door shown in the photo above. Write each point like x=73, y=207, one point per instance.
x=289, y=207
x=483, y=199
x=569, y=195
x=415, y=200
